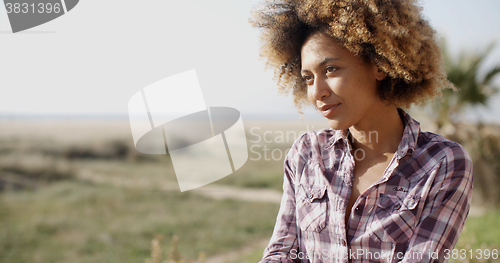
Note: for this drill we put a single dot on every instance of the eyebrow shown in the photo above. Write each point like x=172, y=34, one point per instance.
x=322, y=63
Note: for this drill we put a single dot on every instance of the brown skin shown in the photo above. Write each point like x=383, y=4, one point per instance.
x=392, y=34
x=347, y=85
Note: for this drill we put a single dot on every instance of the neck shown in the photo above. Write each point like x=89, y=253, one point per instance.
x=381, y=132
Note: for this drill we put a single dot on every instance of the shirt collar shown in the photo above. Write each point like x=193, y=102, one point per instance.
x=339, y=136
x=410, y=135
x=408, y=141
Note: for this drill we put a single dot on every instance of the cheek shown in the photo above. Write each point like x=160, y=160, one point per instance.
x=310, y=95
x=356, y=92
x=361, y=87
x=342, y=87
x=366, y=83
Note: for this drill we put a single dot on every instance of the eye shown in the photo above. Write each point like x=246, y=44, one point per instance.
x=330, y=69
x=307, y=79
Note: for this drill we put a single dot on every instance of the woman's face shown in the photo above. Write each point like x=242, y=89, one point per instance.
x=341, y=85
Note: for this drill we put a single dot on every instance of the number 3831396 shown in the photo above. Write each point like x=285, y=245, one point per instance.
x=33, y=8
x=471, y=254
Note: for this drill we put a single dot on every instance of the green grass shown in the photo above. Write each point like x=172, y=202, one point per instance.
x=76, y=222
x=480, y=234
x=257, y=174
x=483, y=230
x=250, y=257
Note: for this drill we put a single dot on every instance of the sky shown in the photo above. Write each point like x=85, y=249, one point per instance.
x=92, y=60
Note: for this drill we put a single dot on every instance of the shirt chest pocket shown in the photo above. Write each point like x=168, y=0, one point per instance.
x=395, y=218
x=312, y=207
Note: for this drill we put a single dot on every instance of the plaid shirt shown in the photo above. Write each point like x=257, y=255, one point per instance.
x=414, y=213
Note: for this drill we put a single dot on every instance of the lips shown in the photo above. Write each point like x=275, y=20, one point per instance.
x=328, y=109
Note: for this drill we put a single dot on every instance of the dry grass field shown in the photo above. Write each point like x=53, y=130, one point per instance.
x=78, y=191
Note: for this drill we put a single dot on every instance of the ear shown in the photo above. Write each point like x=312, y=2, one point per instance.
x=380, y=74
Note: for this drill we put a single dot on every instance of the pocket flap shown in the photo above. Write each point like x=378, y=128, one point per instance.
x=314, y=192
x=410, y=202
x=317, y=193
x=387, y=201
x=396, y=203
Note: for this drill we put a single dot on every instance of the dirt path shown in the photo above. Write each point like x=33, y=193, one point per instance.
x=246, y=194
x=212, y=190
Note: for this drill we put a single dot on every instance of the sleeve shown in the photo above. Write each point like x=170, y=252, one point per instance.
x=283, y=246
x=447, y=206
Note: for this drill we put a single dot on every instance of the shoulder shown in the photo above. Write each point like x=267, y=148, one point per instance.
x=309, y=145
x=429, y=149
x=434, y=148
x=311, y=141
x=439, y=146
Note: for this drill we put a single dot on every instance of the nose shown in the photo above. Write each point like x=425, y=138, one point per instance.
x=320, y=89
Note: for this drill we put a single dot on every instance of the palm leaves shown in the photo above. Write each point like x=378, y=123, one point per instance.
x=472, y=88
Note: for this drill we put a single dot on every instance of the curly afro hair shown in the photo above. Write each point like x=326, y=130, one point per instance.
x=391, y=33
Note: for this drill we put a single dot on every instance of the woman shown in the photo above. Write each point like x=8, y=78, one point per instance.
x=373, y=188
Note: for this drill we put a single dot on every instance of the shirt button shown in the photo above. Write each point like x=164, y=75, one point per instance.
x=344, y=243
x=397, y=206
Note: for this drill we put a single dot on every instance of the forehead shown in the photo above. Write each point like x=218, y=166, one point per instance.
x=320, y=46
